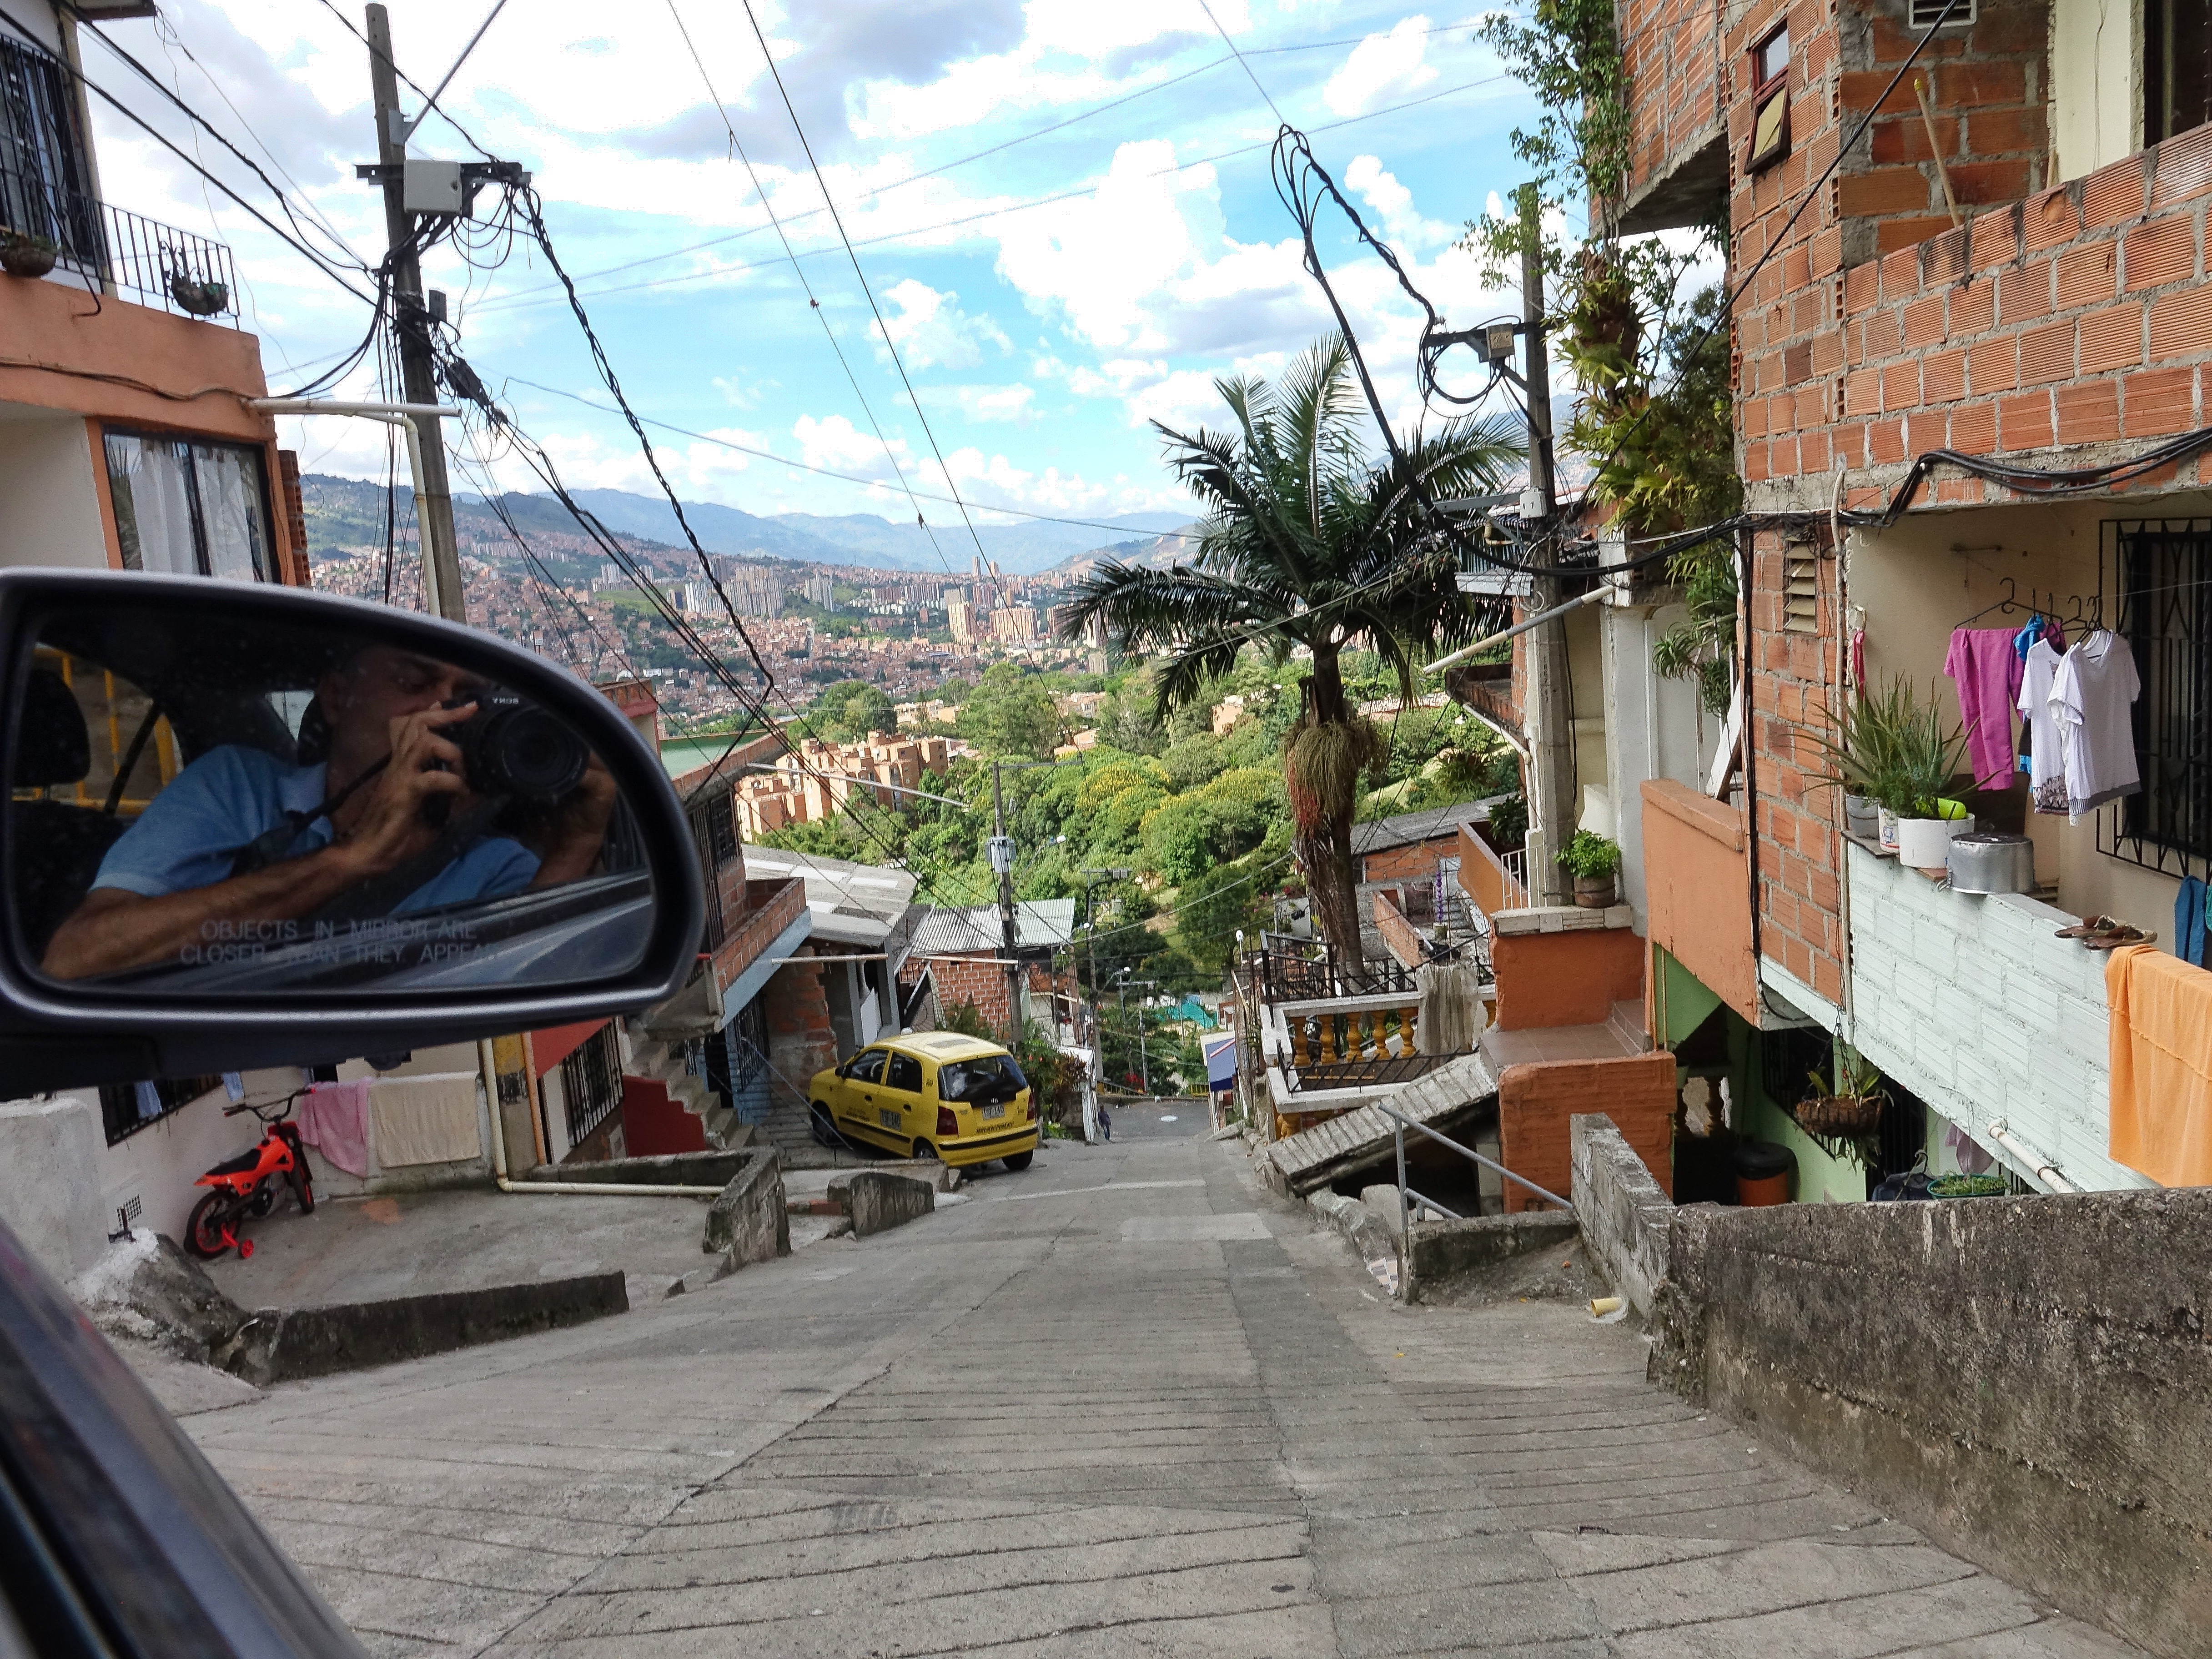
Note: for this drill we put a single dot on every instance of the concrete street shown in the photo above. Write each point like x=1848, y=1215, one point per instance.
x=1125, y=1403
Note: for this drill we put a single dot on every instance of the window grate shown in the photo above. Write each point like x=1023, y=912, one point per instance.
x=591, y=1083
x=127, y=1107
x=1925, y=14
x=2161, y=571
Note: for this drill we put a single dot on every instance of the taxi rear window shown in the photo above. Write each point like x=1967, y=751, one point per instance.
x=993, y=1076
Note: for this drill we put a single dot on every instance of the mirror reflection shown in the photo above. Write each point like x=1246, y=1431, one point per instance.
x=260, y=807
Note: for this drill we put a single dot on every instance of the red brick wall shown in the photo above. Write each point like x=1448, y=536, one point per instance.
x=1402, y=937
x=2082, y=316
x=800, y=1042
x=1798, y=847
x=1671, y=52
x=982, y=981
x=1535, y=1103
x=1418, y=859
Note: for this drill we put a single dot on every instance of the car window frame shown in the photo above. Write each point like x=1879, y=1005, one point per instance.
x=854, y=1076
x=897, y=1056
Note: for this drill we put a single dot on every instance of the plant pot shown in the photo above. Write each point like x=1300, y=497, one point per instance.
x=1846, y=1117
x=197, y=298
x=1925, y=843
x=1595, y=892
x=20, y=257
x=1885, y=829
x=1861, y=817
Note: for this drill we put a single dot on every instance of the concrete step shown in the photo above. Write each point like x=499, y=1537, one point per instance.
x=1626, y=1018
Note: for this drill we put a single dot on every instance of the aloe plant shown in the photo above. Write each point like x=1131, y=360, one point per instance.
x=1891, y=748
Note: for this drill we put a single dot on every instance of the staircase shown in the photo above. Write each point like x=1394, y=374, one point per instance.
x=662, y=1062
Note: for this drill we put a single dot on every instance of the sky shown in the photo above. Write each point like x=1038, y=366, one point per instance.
x=1062, y=210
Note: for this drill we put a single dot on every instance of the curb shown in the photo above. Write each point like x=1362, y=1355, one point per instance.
x=285, y=1345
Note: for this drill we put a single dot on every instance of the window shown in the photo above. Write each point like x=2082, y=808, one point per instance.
x=1926, y=14
x=45, y=179
x=127, y=1107
x=993, y=1078
x=905, y=1074
x=188, y=508
x=714, y=833
x=867, y=1066
x=2165, y=571
x=1770, y=100
x=591, y=1083
x=2177, y=67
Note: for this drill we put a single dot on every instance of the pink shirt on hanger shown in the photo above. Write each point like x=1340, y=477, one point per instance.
x=1987, y=669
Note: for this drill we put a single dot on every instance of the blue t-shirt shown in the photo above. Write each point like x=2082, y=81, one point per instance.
x=189, y=834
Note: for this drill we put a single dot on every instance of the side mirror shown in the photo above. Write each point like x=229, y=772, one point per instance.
x=252, y=826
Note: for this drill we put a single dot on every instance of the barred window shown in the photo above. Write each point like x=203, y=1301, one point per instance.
x=591, y=1083
x=127, y=1107
x=2165, y=577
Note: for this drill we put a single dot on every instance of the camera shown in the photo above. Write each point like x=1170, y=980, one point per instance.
x=510, y=746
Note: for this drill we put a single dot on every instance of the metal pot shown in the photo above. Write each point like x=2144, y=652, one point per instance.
x=1990, y=862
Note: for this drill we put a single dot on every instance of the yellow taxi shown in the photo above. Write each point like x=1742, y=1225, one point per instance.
x=932, y=1094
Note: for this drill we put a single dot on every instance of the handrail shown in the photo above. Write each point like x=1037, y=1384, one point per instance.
x=1400, y=1124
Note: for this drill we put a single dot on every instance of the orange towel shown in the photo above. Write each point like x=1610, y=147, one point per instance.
x=2161, y=1065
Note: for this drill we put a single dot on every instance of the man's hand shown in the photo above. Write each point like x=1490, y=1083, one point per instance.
x=389, y=826
x=575, y=831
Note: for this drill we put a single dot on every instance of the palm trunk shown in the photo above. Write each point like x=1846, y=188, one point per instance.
x=1326, y=850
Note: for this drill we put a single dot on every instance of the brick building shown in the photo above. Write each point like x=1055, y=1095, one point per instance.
x=1950, y=351
x=962, y=954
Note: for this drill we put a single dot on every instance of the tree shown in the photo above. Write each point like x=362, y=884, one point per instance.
x=847, y=711
x=1011, y=712
x=1307, y=542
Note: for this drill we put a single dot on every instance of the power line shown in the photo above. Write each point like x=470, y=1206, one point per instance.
x=428, y=103
x=883, y=327
x=545, y=295
x=1266, y=96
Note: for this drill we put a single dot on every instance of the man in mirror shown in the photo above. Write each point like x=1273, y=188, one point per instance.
x=386, y=823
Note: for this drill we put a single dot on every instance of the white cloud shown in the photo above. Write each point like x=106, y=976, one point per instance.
x=931, y=331
x=1393, y=204
x=997, y=403
x=1381, y=64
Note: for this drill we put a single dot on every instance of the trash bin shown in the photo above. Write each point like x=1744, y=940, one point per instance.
x=1763, y=1168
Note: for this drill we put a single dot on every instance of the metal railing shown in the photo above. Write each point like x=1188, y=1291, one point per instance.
x=1288, y=969
x=1515, y=864
x=139, y=258
x=1407, y=1197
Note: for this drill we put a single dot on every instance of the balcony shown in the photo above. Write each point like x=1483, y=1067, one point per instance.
x=1331, y=1037
x=106, y=250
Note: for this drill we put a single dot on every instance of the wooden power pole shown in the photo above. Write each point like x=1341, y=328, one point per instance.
x=442, y=557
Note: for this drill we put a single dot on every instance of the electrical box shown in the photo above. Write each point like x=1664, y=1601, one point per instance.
x=1001, y=851
x=431, y=187
x=1497, y=342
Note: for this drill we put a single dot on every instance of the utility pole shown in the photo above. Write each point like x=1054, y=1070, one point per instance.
x=1551, y=807
x=434, y=508
x=1002, y=864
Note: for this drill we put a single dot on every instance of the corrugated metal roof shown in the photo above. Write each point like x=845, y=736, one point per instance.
x=1039, y=924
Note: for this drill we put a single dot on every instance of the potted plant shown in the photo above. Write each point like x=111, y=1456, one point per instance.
x=1847, y=1106
x=26, y=255
x=1890, y=750
x=1595, y=862
x=1509, y=821
x=196, y=297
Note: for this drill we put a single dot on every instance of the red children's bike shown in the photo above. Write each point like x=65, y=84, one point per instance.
x=244, y=1187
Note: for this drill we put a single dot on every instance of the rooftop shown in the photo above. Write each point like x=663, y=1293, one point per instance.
x=1408, y=828
x=1039, y=924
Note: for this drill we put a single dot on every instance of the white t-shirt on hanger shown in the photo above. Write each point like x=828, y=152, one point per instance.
x=2091, y=696
x=2046, y=761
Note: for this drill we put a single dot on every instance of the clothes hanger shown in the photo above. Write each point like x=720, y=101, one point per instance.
x=2007, y=605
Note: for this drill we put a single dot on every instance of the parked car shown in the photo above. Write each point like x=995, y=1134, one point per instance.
x=936, y=1094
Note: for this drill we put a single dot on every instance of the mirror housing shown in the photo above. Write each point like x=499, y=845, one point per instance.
x=58, y=1031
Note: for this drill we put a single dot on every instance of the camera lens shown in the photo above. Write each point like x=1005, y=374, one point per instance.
x=514, y=748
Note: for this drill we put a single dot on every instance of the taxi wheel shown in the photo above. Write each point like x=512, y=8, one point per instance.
x=922, y=1150
x=1019, y=1161
x=822, y=1126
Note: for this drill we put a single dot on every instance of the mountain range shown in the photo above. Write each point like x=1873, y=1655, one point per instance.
x=863, y=538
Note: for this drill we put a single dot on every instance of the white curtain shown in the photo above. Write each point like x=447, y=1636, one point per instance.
x=148, y=479
x=156, y=482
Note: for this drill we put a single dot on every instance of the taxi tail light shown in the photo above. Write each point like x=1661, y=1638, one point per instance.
x=946, y=1123
x=1030, y=1111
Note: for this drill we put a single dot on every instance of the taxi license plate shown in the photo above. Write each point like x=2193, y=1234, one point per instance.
x=992, y=1114
x=888, y=1117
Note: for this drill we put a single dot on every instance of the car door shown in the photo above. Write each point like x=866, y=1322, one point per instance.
x=857, y=1101
x=902, y=1092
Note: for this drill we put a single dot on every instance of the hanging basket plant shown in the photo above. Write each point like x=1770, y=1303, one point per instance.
x=22, y=255
x=1848, y=1109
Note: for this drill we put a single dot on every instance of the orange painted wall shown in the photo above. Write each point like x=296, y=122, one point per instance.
x=1564, y=979
x=1535, y=1103
x=1482, y=876
x=1697, y=890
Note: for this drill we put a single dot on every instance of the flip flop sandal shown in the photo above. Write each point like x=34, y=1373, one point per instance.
x=2119, y=937
x=2090, y=925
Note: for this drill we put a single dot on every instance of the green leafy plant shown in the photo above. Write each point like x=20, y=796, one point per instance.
x=1891, y=749
x=1967, y=1186
x=1509, y=821
x=1590, y=856
x=1856, y=1077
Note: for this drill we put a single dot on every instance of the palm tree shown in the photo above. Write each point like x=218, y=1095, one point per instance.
x=1307, y=542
